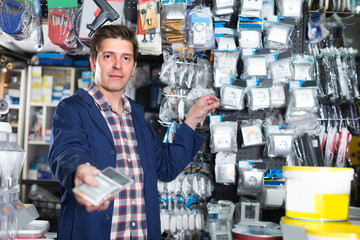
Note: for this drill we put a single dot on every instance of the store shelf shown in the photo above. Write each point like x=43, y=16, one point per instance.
x=14, y=106
x=39, y=112
x=38, y=143
x=34, y=104
x=8, y=90
x=41, y=182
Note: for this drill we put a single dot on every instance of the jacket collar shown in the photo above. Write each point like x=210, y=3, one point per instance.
x=137, y=112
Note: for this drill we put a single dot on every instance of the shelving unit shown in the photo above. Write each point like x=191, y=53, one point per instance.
x=10, y=88
x=39, y=112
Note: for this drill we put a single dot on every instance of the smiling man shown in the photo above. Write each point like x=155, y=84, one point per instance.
x=101, y=127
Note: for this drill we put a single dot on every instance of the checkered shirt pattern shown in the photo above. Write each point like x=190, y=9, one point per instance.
x=129, y=218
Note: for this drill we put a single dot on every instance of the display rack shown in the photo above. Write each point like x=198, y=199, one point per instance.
x=16, y=105
x=38, y=145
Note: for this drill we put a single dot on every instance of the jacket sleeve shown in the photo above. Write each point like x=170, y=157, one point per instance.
x=68, y=145
x=172, y=158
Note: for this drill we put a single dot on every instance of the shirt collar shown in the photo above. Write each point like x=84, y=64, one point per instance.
x=103, y=104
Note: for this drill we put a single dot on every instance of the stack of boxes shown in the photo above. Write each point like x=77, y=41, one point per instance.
x=49, y=88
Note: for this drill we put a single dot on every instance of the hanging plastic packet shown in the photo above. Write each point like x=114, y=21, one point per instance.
x=204, y=74
x=278, y=35
x=290, y=8
x=303, y=99
x=279, y=140
x=254, y=66
x=173, y=21
x=39, y=36
x=250, y=38
x=303, y=67
x=173, y=107
x=148, y=27
x=343, y=59
x=352, y=72
x=252, y=133
x=226, y=43
x=225, y=167
x=225, y=63
x=202, y=180
x=251, y=179
x=168, y=109
x=258, y=99
x=303, y=108
x=344, y=139
x=220, y=219
x=167, y=71
x=268, y=9
x=200, y=32
x=330, y=147
x=61, y=28
x=250, y=211
x=170, y=133
x=278, y=95
x=223, y=7
x=279, y=144
x=112, y=12
x=342, y=77
x=249, y=32
x=327, y=75
x=251, y=8
x=281, y=69
x=307, y=151
x=16, y=17
x=232, y=97
x=223, y=134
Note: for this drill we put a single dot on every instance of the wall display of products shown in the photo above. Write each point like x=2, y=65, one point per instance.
x=276, y=105
x=285, y=99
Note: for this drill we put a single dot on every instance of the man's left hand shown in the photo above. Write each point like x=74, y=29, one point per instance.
x=205, y=105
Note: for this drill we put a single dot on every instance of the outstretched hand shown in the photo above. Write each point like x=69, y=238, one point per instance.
x=203, y=106
x=86, y=174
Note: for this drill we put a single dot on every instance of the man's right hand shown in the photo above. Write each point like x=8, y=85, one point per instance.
x=86, y=173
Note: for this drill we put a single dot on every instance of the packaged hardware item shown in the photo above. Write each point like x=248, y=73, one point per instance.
x=110, y=182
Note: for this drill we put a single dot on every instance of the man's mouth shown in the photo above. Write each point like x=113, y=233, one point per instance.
x=116, y=76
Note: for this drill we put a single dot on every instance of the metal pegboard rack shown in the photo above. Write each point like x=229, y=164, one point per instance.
x=229, y=192
x=254, y=152
x=298, y=35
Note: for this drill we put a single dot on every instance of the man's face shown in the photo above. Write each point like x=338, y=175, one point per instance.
x=114, y=65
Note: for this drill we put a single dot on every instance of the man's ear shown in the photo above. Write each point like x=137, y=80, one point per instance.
x=92, y=64
x=133, y=71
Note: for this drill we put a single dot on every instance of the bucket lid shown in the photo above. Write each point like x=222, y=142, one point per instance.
x=318, y=172
x=336, y=230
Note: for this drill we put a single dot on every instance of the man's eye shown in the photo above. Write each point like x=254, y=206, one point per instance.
x=127, y=58
x=107, y=56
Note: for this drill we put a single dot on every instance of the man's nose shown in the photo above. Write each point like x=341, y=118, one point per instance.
x=117, y=64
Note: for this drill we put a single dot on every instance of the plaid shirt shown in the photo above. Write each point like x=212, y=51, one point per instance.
x=129, y=218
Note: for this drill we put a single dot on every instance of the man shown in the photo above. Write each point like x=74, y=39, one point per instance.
x=101, y=127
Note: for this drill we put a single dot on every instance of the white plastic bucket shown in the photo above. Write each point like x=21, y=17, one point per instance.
x=336, y=232
x=298, y=229
x=317, y=193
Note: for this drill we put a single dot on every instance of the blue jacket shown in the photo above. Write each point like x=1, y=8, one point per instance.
x=80, y=134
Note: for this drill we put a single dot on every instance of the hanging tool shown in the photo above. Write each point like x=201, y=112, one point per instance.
x=12, y=17
x=39, y=36
x=60, y=28
x=107, y=13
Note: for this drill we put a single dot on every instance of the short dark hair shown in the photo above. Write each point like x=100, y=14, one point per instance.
x=113, y=31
